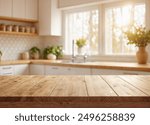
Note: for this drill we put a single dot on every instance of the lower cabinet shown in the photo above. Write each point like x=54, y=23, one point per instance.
x=21, y=69
x=59, y=70
x=37, y=69
x=7, y=70
x=105, y=72
x=14, y=70
x=117, y=72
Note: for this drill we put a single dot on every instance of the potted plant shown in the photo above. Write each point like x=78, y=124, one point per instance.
x=35, y=53
x=53, y=52
x=0, y=55
x=141, y=38
x=80, y=44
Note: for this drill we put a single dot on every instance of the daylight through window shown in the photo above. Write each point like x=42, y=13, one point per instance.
x=83, y=24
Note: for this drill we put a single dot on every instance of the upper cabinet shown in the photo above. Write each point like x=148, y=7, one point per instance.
x=32, y=9
x=19, y=8
x=6, y=8
x=49, y=18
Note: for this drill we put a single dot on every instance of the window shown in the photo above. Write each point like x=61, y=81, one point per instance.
x=118, y=20
x=104, y=32
x=82, y=24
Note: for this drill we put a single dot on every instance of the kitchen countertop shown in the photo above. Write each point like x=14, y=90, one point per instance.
x=75, y=91
x=98, y=65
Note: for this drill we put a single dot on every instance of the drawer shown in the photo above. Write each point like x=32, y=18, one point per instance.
x=7, y=70
x=8, y=74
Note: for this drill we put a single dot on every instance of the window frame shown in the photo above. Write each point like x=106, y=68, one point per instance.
x=102, y=54
x=79, y=10
x=118, y=4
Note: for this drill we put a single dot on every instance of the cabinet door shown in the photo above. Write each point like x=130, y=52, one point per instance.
x=106, y=72
x=80, y=71
x=49, y=18
x=0, y=70
x=19, y=8
x=22, y=69
x=6, y=8
x=36, y=69
x=32, y=9
x=124, y=72
x=7, y=70
x=56, y=70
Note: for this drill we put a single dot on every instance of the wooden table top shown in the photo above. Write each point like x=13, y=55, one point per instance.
x=68, y=86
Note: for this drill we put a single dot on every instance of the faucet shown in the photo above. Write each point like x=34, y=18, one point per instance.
x=85, y=57
x=73, y=53
x=74, y=56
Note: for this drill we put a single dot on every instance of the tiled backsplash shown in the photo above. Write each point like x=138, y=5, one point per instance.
x=12, y=45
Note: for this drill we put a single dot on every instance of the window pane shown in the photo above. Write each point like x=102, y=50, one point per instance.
x=118, y=20
x=82, y=25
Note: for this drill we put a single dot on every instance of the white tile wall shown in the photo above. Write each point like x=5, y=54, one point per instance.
x=12, y=45
x=52, y=41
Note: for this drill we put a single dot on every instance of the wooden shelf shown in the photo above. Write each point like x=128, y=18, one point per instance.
x=18, y=33
x=18, y=19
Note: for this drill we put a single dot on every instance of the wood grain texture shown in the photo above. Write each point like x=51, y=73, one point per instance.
x=141, y=83
x=96, y=86
x=75, y=91
x=18, y=33
x=121, y=87
x=18, y=19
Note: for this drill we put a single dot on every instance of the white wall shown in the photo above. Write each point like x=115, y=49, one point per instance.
x=13, y=45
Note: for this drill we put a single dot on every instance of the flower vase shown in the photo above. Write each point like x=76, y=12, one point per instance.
x=142, y=55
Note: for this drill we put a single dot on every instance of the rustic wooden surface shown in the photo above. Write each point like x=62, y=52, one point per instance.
x=97, y=65
x=75, y=91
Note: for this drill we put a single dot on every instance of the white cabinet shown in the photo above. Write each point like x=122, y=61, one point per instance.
x=21, y=69
x=24, y=9
x=14, y=70
x=19, y=7
x=32, y=9
x=49, y=18
x=124, y=72
x=80, y=71
x=6, y=8
x=58, y=70
x=0, y=70
x=105, y=72
x=7, y=70
x=117, y=72
x=36, y=69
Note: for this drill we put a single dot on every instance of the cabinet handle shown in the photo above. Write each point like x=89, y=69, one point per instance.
x=54, y=68
x=126, y=73
x=8, y=74
x=6, y=67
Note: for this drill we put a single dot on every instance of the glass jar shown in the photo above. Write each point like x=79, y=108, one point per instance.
x=28, y=28
x=33, y=30
x=21, y=29
x=2, y=27
x=16, y=28
x=9, y=28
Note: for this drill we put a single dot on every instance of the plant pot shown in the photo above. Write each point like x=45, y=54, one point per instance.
x=25, y=56
x=51, y=57
x=80, y=50
x=0, y=57
x=35, y=56
x=142, y=55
